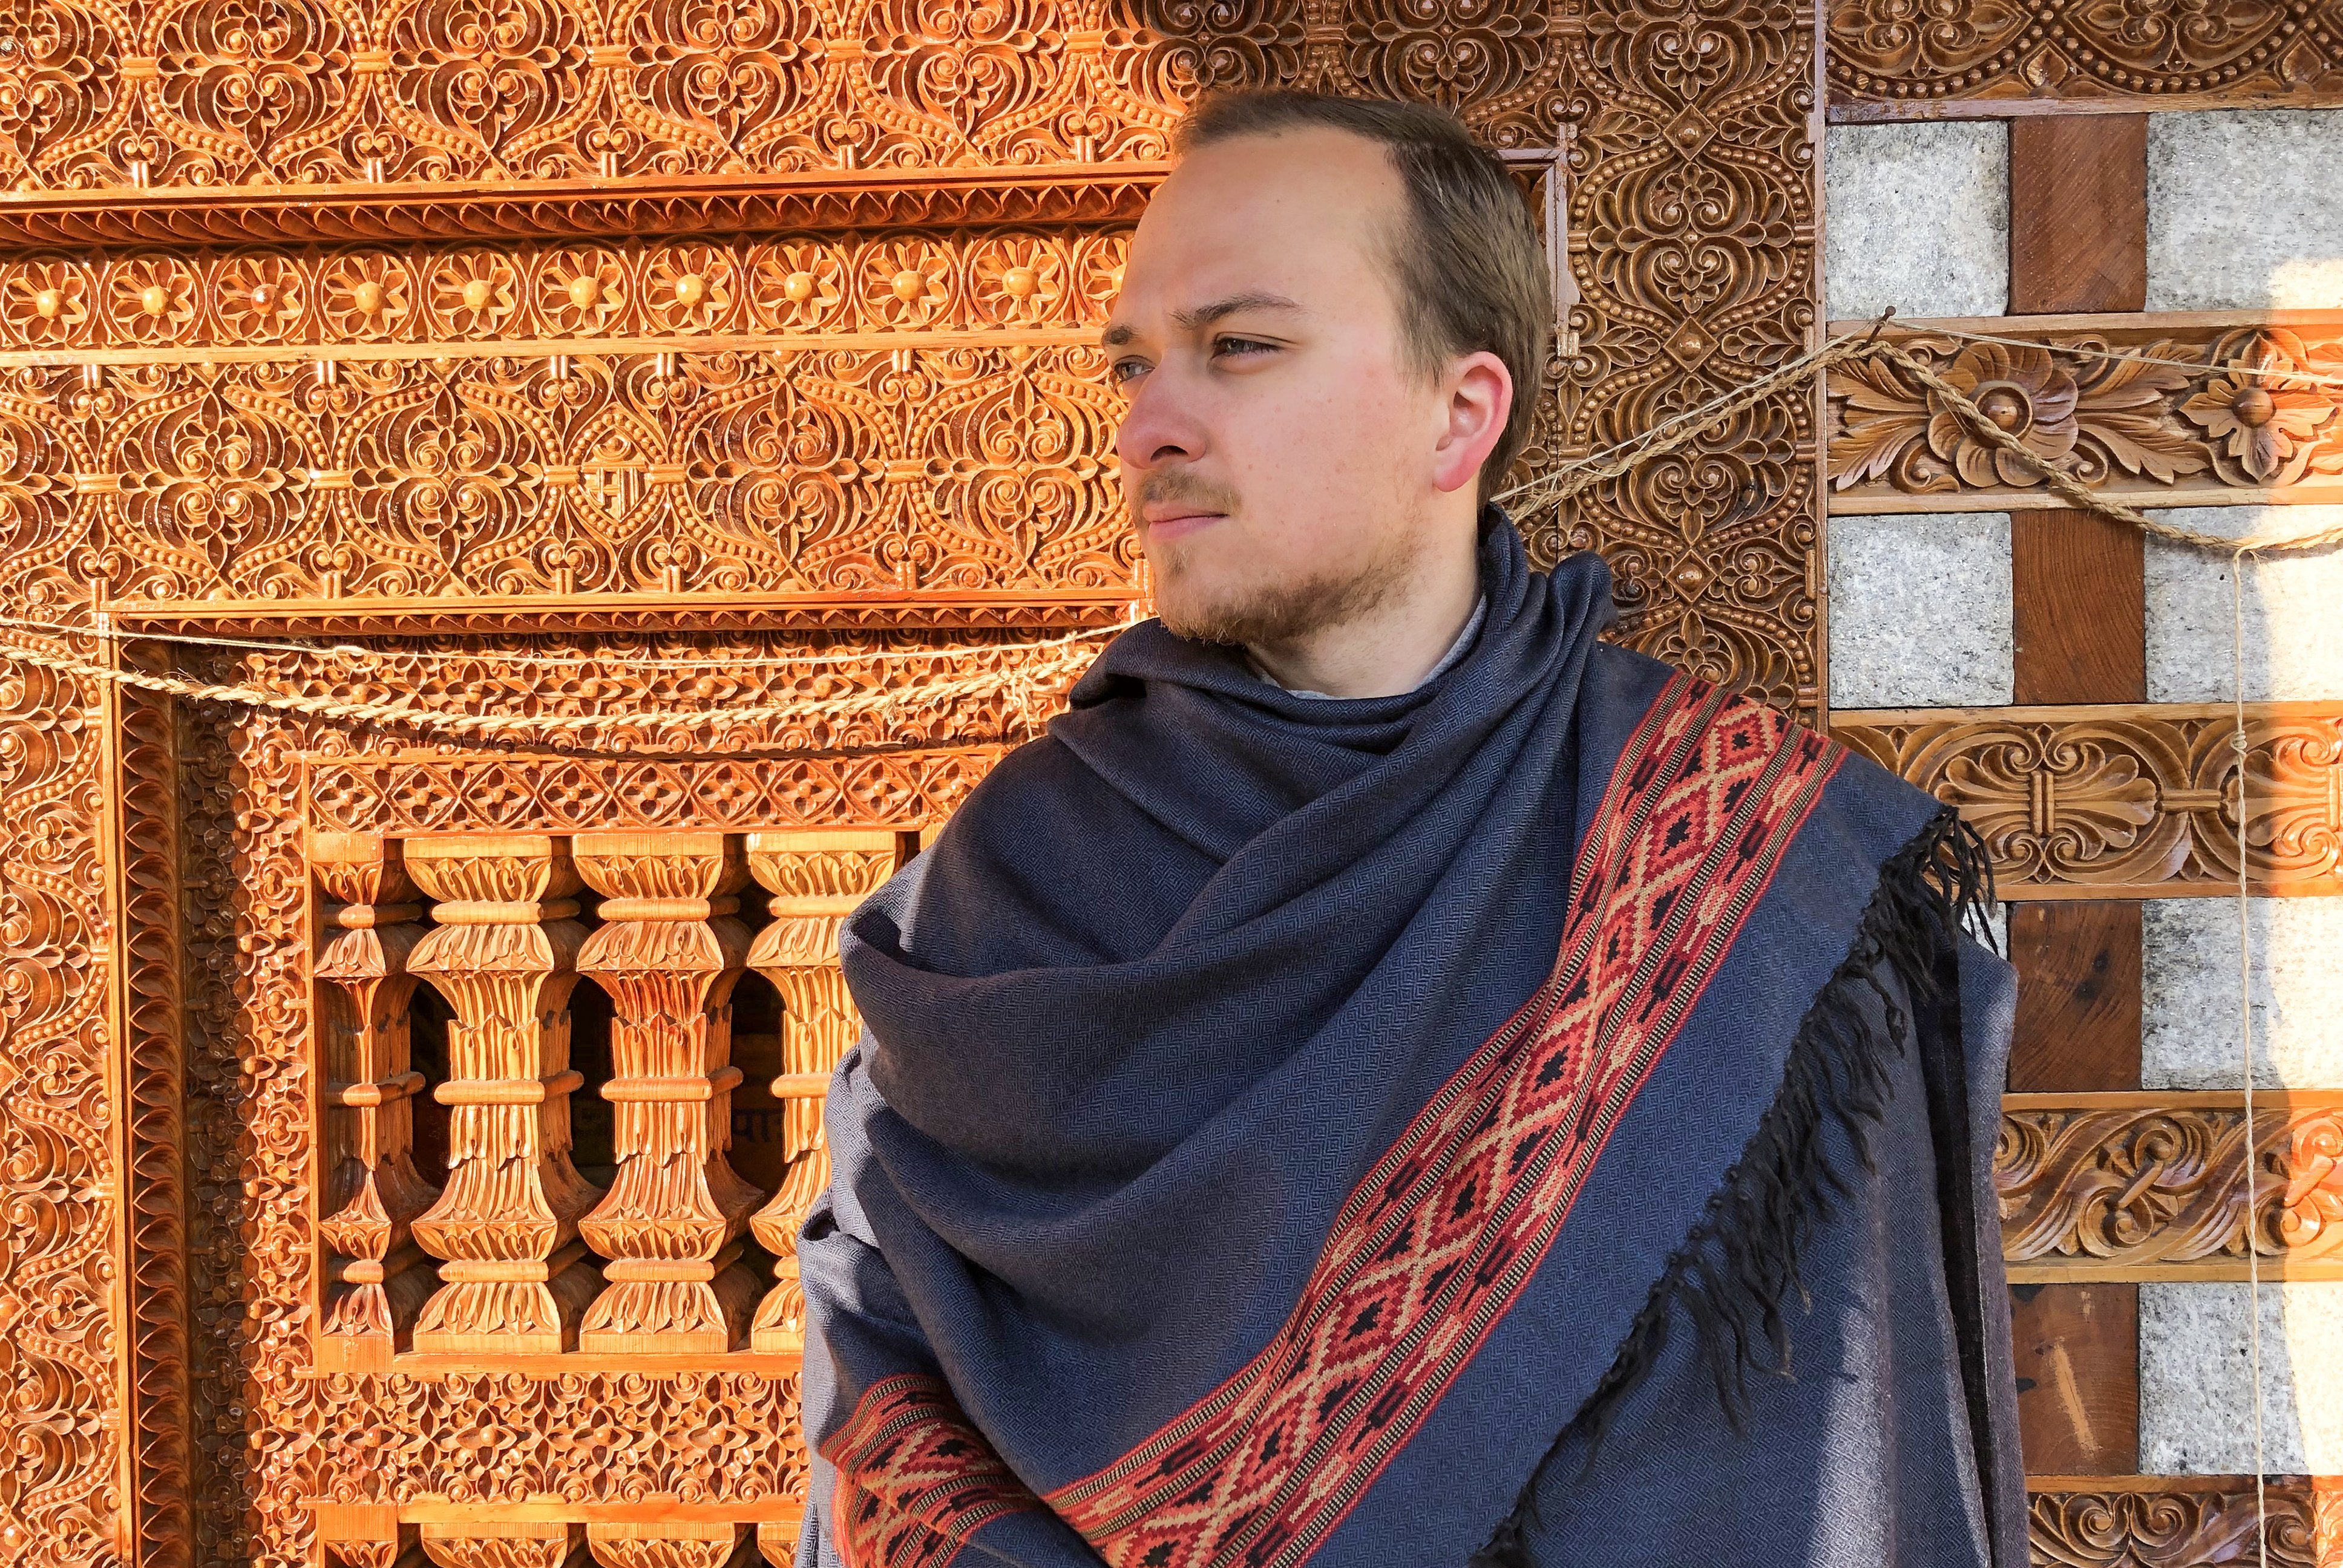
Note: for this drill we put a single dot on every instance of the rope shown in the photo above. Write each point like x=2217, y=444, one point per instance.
x=489, y=724
x=2239, y=745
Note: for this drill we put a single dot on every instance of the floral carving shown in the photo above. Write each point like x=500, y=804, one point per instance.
x=2232, y=407
x=2093, y=418
x=2261, y=418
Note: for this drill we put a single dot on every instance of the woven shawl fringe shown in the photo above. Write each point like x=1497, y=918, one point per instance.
x=1739, y=1266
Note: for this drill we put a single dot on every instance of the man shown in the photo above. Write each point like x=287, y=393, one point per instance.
x=1389, y=1080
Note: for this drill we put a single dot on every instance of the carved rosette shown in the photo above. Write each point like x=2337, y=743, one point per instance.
x=815, y=880
x=373, y=1192
x=670, y=951
x=504, y=953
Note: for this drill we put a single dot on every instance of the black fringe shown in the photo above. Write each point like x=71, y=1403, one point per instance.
x=1735, y=1272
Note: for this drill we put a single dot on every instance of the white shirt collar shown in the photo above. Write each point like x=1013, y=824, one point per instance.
x=1448, y=662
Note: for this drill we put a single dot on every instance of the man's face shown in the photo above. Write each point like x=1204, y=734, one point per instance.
x=1278, y=450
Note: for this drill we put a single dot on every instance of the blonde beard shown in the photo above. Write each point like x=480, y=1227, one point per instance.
x=1268, y=615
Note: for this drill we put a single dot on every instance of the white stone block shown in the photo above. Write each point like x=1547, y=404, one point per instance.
x=2244, y=209
x=1916, y=216
x=2293, y=611
x=2188, y=993
x=1920, y=610
x=2196, y=1410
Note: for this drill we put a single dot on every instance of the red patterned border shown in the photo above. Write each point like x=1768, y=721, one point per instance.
x=1436, y=1244
x=915, y=1480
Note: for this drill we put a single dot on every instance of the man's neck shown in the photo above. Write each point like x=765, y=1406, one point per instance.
x=1391, y=647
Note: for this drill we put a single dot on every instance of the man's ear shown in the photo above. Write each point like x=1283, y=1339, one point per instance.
x=1476, y=399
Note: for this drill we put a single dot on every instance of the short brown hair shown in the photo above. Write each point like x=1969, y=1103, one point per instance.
x=1469, y=271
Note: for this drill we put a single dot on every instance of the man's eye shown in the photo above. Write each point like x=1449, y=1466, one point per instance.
x=1123, y=371
x=1241, y=346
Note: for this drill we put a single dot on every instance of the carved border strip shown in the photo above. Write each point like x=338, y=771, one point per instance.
x=2065, y=57
x=2150, y=1185
x=2182, y=1522
x=2199, y=435
x=582, y=209
x=2128, y=801
x=153, y=1013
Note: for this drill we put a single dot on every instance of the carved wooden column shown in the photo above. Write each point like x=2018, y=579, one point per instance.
x=669, y=953
x=505, y=954
x=373, y=1192
x=815, y=880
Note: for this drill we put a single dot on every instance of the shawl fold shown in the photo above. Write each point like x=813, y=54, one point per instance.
x=1291, y=1130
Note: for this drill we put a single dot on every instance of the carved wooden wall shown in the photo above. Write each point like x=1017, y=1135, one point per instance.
x=402, y=1137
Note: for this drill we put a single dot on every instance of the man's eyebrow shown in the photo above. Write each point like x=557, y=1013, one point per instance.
x=1203, y=316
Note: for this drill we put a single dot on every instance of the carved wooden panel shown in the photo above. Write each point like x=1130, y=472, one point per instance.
x=2151, y=1185
x=1889, y=61
x=902, y=476
x=1693, y=228
x=2183, y=1522
x=2200, y=431
x=2129, y=801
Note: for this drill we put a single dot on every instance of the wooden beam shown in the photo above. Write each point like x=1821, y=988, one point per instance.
x=2078, y=995
x=2077, y=1356
x=2078, y=214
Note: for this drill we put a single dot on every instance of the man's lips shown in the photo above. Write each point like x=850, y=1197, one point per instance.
x=1173, y=522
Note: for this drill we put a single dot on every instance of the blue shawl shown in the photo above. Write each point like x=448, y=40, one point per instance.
x=1287, y=1130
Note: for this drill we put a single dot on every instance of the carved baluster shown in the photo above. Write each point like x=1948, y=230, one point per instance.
x=815, y=880
x=668, y=952
x=668, y=1544
x=505, y=955
x=373, y=1192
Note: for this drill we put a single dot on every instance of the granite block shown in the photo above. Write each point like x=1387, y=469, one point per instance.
x=2244, y=209
x=2188, y=993
x=1916, y=216
x=2196, y=1410
x=2293, y=636
x=1920, y=610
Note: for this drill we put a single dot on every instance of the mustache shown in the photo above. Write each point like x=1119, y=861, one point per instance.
x=1187, y=488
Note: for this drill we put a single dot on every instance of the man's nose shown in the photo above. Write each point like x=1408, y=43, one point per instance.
x=1159, y=427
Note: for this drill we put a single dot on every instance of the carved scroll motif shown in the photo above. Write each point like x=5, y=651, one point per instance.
x=2106, y=1186
x=2193, y=1525
x=815, y=880
x=373, y=1192
x=2128, y=801
x=2231, y=407
x=668, y=952
x=504, y=953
